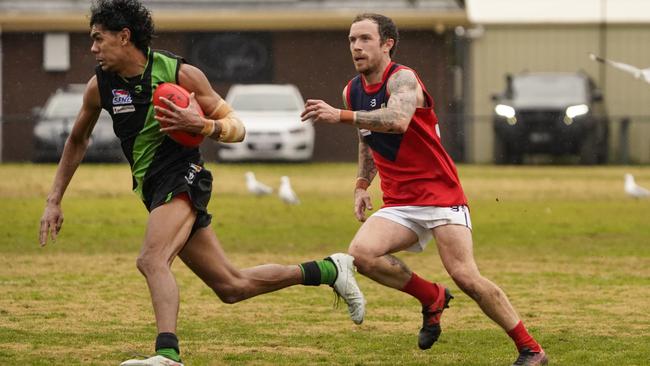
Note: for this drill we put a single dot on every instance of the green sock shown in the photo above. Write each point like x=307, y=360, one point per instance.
x=328, y=272
x=316, y=273
x=169, y=353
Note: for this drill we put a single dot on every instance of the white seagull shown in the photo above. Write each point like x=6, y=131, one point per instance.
x=255, y=187
x=286, y=193
x=641, y=74
x=634, y=190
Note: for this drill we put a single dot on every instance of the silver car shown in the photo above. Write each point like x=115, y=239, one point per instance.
x=274, y=131
x=55, y=121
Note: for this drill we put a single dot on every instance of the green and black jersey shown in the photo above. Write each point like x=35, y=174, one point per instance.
x=151, y=153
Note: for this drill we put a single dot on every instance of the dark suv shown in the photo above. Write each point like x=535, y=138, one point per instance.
x=550, y=113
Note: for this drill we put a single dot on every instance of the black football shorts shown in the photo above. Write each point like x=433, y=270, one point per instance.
x=196, y=182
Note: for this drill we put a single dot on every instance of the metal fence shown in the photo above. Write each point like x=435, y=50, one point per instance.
x=468, y=140
x=628, y=142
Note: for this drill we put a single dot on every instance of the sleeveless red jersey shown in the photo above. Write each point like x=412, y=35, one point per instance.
x=414, y=168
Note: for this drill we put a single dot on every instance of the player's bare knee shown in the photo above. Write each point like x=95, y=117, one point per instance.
x=148, y=264
x=467, y=281
x=363, y=259
x=226, y=294
x=228, y=297
x=231, y=292
x=354, y=250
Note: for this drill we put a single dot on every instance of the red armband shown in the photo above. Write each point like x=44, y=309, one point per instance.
x=347, y=117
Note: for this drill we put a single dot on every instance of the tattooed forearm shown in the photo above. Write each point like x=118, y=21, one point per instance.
x=367, y=168
x=379, y=120
x=403, y=86
x=394, y=261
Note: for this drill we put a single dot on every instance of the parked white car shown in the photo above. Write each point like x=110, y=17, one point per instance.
x=55, y=120
x=274, y=131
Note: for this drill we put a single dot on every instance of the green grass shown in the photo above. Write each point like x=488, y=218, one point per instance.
x=568, y=247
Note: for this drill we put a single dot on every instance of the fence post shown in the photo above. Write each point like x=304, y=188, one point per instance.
x=1, y=128
x=624, y=141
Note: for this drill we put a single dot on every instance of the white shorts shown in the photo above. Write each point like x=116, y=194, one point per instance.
x=421, y=219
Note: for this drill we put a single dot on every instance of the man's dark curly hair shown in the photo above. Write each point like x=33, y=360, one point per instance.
x=115, y=15
x=386, y=26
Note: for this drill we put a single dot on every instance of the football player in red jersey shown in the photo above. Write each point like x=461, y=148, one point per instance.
x=423, y=198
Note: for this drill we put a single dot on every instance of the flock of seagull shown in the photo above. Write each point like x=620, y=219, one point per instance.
x=289, y=196
x=285, y=192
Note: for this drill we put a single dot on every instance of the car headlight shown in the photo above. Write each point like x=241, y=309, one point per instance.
x=504, y=110
x=577, y=110
x=508, y=112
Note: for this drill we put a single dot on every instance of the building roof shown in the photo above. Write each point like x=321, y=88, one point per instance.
x=206, y=15
x=558, y=11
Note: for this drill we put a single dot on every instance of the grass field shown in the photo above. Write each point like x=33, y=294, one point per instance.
x=568, y=247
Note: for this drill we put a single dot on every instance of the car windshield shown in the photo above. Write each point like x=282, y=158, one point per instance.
x=63, y=105
x=265, y=102
x=549, y=90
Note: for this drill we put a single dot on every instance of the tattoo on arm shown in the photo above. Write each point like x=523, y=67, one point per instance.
x=394, y=261
x=403, y=86
x=367, y=168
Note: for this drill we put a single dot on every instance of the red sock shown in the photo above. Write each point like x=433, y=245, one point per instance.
x=422, y=290
x=523, y=339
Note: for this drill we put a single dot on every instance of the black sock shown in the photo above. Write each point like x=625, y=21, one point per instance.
x=165, y=342
x=310, y=273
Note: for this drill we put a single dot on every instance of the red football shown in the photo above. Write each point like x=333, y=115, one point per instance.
x=181, y=97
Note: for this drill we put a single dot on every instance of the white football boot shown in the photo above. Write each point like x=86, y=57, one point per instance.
x=152, y=361
x=346, y=286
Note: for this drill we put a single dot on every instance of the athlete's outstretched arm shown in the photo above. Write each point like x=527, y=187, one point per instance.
x=219, y=123
x=73, y=153
x=365, y=174
x=367, y=169
x=395, y=118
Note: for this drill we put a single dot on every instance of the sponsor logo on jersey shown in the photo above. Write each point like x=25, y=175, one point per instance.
x=123, y=109
x=191, y=173
x=121, y=96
